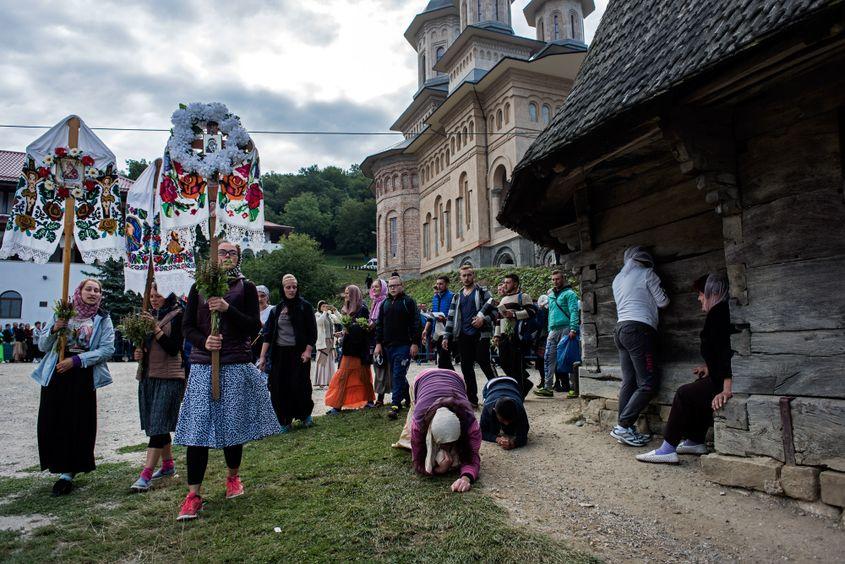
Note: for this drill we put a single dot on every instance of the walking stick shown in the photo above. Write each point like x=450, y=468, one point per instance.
x=148, y=283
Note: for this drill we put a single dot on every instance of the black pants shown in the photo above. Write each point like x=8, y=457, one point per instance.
x=289, y=382
x=640, y=381
x=692, y=412
x=473, y=349
x=512, y=361
x=159, y=441
x=444, y=359
x=197, y=460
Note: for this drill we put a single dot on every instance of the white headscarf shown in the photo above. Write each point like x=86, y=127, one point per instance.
x=445, y=428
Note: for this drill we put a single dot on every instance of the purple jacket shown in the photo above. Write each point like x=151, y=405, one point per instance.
x=436, y=388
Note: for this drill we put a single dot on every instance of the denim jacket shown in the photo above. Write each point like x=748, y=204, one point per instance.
x=100, y=352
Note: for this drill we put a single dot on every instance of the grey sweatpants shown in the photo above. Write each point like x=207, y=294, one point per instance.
x=640, y=381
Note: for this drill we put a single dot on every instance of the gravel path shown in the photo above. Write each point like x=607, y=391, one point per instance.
x=574, y=483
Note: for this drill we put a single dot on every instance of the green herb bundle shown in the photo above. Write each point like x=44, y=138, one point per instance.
x=348, y=321
x=137, y=328
x=212, y=282
x=63, y=310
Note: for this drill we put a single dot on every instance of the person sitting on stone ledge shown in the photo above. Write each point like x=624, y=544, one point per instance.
x=503, y=417
x=694, y=404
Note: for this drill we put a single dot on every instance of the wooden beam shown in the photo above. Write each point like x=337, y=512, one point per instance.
x=70, y=213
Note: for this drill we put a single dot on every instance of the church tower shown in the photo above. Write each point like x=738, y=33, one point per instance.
x=558, y=20
x=494, y=14
x=431, y=33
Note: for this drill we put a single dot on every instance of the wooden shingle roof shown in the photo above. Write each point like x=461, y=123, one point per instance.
x=644, y=49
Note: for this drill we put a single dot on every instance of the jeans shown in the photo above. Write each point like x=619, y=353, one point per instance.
x=399, y=357
x=550, y=357
x=640, y=381
x=473, y=349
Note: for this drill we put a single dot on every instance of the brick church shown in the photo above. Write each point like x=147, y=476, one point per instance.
x=484, y=94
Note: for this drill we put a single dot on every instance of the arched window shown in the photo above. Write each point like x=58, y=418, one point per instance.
x=447, y=220
x=405, y=185
x=490, y=124
x=496, y=10
x=393, y=236
x=465, y=135
x=507, y=113
x=448, y=158
x=426, y=242
x=439, y=53
x=471, y=130
x=532, y=112
x=500, y=189
x=541, y=30
x=437, y=165
x=547, y=114
x=478, y=11
x=395, y=182
x=555, y=27
x=452, y=144
x=574, y=21
x=10, y=305
x=498, y=119
x=464, y=21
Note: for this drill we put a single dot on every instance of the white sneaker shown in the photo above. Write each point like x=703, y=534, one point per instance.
x=684, y=448
x=652, y=456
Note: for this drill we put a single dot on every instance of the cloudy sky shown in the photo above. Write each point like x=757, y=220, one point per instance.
x=328, y=65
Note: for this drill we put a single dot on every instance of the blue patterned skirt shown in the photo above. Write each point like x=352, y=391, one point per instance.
x=244, y=412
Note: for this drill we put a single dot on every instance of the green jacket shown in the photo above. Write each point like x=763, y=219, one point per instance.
x=563, y=310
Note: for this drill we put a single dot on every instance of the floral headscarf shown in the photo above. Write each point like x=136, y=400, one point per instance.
x=378, y=293
x=85, y=310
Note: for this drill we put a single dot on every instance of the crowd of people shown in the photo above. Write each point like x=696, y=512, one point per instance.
x=362, y=353
x=20, y=342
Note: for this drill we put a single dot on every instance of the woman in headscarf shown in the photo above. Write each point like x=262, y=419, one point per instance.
x=326, y=318
x=382, y=385
x=351, y=386
x=243, y=413
x=639, y=296
x=694, y=404
x=290, y=335
x=264, y=313
x=445, y=434
x=161, y=385
x=67, y=415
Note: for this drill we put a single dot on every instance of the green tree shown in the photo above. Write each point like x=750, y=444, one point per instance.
x=116, y=301
x=304, y=213
x=355, y=226
x=301, y=256
x=134, y=168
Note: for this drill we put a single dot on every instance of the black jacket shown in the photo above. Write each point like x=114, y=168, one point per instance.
x=716, y=344
x=398, y=322
x=494, y=390
x=304, y=324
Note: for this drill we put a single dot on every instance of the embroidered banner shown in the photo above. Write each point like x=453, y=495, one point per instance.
x=173, y=261
x=209, y=142
x=51, y=172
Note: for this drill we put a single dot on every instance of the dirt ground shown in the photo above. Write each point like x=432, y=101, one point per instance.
x=574, y=483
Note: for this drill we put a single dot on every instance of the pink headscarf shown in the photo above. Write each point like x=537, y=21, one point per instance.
x=84, y=310
x=353, y=303
x=378, y=293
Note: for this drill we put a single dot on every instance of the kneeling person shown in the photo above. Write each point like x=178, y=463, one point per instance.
x=503, y=417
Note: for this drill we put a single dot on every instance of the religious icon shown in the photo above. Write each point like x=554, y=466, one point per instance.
x=211, y=143
x=174, y=247
x=70, y=172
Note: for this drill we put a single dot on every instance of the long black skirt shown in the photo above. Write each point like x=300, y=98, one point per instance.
x=67, y=422
x=290, y=385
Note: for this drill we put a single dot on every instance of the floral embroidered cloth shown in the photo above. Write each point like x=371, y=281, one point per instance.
x=52, y=171
x=173, y=261
x=183, y=183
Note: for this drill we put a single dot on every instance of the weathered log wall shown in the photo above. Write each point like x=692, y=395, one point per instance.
x=790, y=247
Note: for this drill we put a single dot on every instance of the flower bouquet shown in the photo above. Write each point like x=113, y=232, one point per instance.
x=212, y=282
x=63, y=309
x=137, y=328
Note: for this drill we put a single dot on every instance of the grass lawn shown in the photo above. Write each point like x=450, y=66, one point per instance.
x=337, y=491
x=338, y=265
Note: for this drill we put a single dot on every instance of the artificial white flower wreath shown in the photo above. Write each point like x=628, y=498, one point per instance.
x=189, y=120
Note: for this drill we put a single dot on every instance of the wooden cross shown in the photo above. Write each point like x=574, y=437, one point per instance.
x=70, y=212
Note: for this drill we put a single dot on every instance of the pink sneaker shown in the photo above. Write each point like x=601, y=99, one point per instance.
x=234, y=487
x=190, y=507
